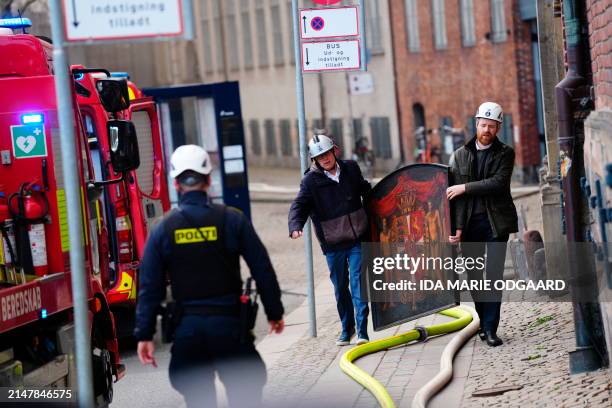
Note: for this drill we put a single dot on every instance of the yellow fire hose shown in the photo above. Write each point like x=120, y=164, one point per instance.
x=463, y=316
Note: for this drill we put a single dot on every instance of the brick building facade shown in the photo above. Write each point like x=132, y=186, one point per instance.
x=599, y=15
x=452, y=55
x=598, y=143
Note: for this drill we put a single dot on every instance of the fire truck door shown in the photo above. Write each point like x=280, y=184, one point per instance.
x=150, y=176
x=95, y=222
x=98, y=211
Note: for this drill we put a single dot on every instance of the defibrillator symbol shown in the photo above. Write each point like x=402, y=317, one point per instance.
x=29, y=141
x=191, y=235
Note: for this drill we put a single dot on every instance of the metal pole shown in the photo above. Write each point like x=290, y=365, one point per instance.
x=362, y=30
x=73, y=199
x=350, y=108
x=322, y=101
x=301, y=111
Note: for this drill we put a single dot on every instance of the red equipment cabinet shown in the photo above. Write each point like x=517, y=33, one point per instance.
x=36, y=321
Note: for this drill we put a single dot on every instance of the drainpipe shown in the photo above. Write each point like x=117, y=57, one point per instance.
x=582, y=280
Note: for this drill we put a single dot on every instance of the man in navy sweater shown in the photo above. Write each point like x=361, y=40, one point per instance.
x=331, y=195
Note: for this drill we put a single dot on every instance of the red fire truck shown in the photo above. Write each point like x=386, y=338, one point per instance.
x=133, y=204
x=36, y=317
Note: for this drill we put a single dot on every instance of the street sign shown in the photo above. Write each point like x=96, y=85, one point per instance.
x=92, y=20
x=331, y=56
x=326, y=2
x=329, y=22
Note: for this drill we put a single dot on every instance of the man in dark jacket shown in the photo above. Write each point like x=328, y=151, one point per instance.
x=331, y=194
x=484, y=210
x=199, y=246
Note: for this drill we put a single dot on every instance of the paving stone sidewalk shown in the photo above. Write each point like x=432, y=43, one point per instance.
x=305, y=372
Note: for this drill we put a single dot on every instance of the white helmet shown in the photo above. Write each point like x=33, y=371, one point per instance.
x=490, y=110
x=190, y=157
x=319, y=144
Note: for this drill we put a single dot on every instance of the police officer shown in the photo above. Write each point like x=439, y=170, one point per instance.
x=198, y=245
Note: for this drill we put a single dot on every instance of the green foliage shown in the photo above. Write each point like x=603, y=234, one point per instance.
x=541, y=320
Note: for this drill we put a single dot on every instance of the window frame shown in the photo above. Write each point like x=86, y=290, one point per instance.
x=468, y=27
x=438, y=15
x=413, y=38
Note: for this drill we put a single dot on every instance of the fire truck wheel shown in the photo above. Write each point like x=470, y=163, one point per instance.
x=103, y=376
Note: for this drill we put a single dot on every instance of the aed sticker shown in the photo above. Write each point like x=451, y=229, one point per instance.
x=29, y=141
x=191, y=235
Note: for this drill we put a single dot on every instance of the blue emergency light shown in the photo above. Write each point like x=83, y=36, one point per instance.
x=43, y=313
x=120, y=75
x=32, y=118
x=15, y=23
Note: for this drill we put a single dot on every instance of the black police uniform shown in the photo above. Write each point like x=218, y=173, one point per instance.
x=204, y=272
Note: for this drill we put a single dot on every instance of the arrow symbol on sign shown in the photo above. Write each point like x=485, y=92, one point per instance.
x=307, y=61
x=303, y=18
x=75, y=20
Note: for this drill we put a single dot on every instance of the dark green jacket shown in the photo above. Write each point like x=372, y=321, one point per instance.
x=494, y=187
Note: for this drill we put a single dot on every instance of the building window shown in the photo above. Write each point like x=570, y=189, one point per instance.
x=255, y=137
x=446, y=122
x=439, y=23
x=380, y=129
x=498, y=21
x=232, y=34
x=285, y=134
x=507, y=135
x=442, y=153
x=247, y=40
x=420, y=128
x=207, y=39
x=412, y=26
x=277, y=33
x=219, y=47
x=335, y=127
x=270, y=137
x=373, y=22
x=357, y=130
x=290, y=18
x=418, y=116
x=470, y=125
x=468, y=34
x=262, y=38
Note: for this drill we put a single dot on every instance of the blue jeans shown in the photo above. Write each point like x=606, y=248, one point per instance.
x=204, y=345
x=345, y=269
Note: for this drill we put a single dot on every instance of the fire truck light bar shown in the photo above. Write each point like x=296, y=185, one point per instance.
x=15, y=23
x=32, y=118
x=120, y=75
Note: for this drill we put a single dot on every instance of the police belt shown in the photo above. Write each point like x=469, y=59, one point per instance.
x=208, y=310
